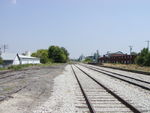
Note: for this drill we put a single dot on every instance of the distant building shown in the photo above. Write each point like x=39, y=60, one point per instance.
x=16, y=59
x=119, y=53
x=117, y=57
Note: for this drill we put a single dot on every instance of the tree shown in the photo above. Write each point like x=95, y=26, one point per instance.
x=43, y=55
x=143, y=58
x=134, y=53
x=88, y=60
x=58, y=54
x=65, y=52
x=1, y=60
x=147, y=60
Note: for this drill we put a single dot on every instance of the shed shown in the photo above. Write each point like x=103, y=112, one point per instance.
x=28, y=59
x=16, y=59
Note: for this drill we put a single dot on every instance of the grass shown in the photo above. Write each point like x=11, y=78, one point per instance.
x=19, y=67
x=7, y=89
x=1, y=69
x=129, y=67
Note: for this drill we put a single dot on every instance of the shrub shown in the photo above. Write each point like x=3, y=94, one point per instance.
x=1, y=60
x=143, y=58
x=88, y=60
x=57, y=54
x=43, y=55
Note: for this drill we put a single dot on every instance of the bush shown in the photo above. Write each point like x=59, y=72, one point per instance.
x=87, y=60
x=144, y=58
x=43, y=55
x=53, y=54
x=1, y=60
x=57, y=54
x=18, y=67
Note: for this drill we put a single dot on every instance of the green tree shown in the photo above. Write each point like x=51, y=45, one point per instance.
x=147, y=60
x=143, y=58
x=134, y=53
x=43, y=55
x=1, y=60
x=65, y=52
x=58, y=54
x=88, y=60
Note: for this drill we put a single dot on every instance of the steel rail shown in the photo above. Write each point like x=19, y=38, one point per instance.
x=128, y=105
x=91, y=109
x=132, y=83
x=119, y=74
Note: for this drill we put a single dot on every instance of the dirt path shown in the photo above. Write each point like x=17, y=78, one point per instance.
x=21, y=91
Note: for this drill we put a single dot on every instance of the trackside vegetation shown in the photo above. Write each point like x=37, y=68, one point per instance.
x=58, y=54
x=54, y=54
x=87, y=60
x=43, y=55
x=1, y=60
x=143, y=59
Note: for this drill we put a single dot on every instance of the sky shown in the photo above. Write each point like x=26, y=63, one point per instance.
x=81, y=26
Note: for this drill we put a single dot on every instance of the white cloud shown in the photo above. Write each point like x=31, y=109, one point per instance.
x=13, y=1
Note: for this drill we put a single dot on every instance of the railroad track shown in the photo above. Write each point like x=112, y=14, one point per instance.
x=99, y=98
x=133, y=81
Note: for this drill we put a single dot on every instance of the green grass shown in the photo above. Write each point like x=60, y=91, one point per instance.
x=19, y=67
x=7, y=89
x=129, y=67
x=1, y=69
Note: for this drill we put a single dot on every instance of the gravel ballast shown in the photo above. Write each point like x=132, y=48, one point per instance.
x=134, y=95
x=64, y=98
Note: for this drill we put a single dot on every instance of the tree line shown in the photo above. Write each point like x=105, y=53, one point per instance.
x=143, y=58
x=52, y=54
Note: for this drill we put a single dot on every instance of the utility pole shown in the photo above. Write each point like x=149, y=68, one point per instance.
x=130, y=49
x=148, y=44
x=5, y=47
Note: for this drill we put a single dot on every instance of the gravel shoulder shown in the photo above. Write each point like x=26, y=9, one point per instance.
x=22, y=91
x=64, y=98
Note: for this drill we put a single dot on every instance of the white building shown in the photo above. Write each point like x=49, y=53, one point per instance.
x=16, y=59
x=28, y=59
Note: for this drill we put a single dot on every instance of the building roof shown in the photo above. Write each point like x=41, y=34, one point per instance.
x=8, y=56
x=27, y=57
x=119, y=52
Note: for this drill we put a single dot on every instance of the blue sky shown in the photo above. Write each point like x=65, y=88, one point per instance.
x=81, y=26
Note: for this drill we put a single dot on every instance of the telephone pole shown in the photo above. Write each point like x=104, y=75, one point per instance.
x=130, y=49
x=148, y=44
x=5, y=47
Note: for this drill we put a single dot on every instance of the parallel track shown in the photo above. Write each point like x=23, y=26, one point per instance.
x=136, y=82
x=93, y=91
